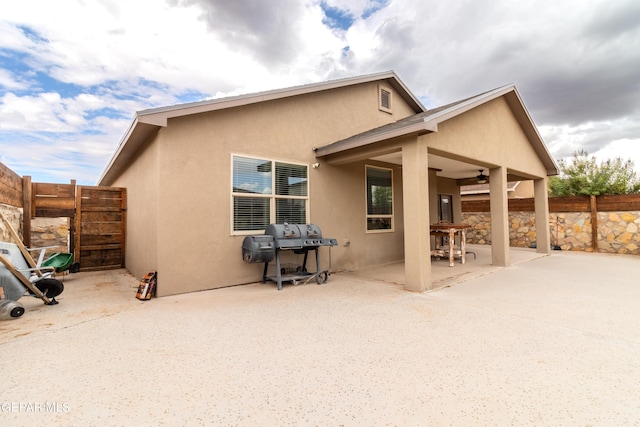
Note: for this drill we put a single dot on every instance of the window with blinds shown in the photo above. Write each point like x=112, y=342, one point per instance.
x=267, y=191
x=379, y=184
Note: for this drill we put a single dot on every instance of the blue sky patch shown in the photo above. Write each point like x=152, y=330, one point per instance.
x=32, y=34
x=18, y=65
x=373, y=7
x=336, y=18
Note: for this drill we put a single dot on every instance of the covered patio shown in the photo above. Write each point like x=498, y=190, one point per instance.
x=438, y=151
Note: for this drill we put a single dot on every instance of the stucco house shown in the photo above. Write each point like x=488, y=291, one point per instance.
x=201, y=176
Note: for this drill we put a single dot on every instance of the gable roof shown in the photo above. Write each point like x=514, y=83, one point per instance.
x=428, y=121
x=148, y=122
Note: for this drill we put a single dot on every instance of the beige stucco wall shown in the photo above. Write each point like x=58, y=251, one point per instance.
x=141, y=182
x=179, y=185
x=489, y=134
x=179, y=188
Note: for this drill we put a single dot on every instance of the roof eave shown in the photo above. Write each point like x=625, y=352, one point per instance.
x=138, y=132
x=161, y=115
x=531, y=130
x=431, y=122
x=357, y=142
x=153, y=119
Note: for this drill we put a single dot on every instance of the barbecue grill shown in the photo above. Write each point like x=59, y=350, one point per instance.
x=299, y=238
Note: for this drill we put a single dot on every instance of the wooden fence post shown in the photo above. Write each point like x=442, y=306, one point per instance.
x=72, y=221
x=27, y=190
x=594, y=223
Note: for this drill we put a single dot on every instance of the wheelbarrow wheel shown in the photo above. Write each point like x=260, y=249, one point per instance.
x=17, y=312
x=75, y=267
x=50, y=287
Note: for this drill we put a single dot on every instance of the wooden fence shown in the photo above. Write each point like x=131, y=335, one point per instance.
x=101, y=214
x=11, y=191
x=98, y=226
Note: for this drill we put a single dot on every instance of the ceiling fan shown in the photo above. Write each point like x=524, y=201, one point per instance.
x=482, y=178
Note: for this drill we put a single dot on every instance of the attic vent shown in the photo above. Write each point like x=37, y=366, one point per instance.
x=384, y=99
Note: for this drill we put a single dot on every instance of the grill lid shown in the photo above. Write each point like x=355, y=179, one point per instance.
x=297, y=236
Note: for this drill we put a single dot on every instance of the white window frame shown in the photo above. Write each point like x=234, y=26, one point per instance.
x=272, y=197
x=366, y=202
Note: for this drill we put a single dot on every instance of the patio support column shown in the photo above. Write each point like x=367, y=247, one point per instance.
x=417, y=240
x=433, y=203
x=541, y=202
x=499, y=206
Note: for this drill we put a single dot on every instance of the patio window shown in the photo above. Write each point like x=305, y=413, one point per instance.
x=379, y=199
x=267, y=191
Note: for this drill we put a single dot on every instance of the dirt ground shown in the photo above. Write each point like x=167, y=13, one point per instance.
x=551, y=341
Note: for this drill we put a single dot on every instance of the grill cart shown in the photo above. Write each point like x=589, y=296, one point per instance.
x=20, y=275
x=299, y=238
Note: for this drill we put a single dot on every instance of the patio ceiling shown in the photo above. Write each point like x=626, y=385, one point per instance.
x=448, y=168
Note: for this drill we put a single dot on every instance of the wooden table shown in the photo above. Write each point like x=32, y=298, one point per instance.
x=450, y=230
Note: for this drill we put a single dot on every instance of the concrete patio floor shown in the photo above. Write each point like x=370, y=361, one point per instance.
x=550, y=341
x=478, y=263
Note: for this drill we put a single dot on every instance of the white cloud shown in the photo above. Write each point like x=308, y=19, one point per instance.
x=85, y=68
x=9, y=81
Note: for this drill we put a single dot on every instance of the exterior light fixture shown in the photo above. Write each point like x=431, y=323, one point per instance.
x=482, y=178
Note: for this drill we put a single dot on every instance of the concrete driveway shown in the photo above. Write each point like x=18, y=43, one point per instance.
x=551, y=341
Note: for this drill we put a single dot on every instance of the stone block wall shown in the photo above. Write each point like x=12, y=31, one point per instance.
x=50, y=232
x=618, y=232
x=14, y=216
x=44, y=231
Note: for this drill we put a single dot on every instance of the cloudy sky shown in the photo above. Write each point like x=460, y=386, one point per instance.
x=74, y=72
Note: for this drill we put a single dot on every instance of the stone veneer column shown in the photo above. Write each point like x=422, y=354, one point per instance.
x=541, y=202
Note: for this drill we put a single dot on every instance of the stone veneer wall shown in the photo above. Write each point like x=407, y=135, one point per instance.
x=44, y=231
x=14, y=216
x=50, y=232
x=618, y=232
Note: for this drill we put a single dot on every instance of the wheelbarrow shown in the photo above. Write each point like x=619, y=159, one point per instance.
x=62, y=262
x=20, y=275
x=18, y=279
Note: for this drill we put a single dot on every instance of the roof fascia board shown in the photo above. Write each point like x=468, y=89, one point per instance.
x=159, y=116
x=371, y=139
x=531, y=131
x=469, y=104
x=137, y=131
x=121, y=145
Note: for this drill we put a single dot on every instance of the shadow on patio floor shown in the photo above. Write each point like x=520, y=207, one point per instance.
x=443, y=275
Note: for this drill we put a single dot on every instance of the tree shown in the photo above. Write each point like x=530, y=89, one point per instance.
x=583, y=176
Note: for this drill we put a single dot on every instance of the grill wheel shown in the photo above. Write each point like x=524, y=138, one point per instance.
x=322, y=277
